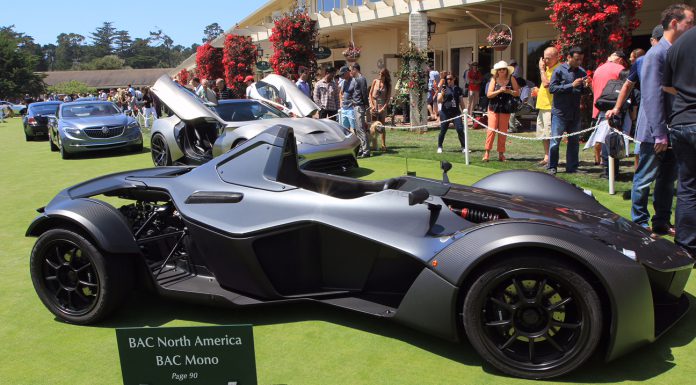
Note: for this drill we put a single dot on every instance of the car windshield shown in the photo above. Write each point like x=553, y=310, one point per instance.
x=49, y=109
x=247, y=110
x=85, y=110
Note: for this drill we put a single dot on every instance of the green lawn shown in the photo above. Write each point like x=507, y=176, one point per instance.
x=299, y=344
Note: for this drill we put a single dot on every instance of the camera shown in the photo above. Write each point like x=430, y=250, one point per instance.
x=616, y=121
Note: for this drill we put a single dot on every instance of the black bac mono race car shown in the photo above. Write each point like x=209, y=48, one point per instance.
x=534, y=272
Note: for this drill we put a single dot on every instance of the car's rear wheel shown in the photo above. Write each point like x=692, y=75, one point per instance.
x=74, y=280
x=533, y=317
x=160, y=151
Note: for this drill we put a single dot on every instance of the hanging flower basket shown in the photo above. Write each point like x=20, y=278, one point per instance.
x=352, y=53
x=500, y=37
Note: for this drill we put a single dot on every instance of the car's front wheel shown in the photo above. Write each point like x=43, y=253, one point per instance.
x=533, y=317
x=54, y=148
x=160, y=151
x=63, y=152
x=74, y=280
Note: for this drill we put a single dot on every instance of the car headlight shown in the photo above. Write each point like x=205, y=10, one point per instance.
x=133, y=125
x=72, y=131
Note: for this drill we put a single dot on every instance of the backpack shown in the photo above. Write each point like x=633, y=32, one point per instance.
x=610, y=94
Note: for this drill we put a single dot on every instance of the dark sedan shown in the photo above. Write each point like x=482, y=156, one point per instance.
x=36, y=120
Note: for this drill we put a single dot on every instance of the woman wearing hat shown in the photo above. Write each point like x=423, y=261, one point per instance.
x=502, y=90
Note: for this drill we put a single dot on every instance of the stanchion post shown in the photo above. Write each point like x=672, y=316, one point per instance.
x=465, y=117
x=612, y=175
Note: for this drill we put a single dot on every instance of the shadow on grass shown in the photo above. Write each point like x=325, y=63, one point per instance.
x=359, y=172
x=112, y=153
x=643, y=364
x=148, y=310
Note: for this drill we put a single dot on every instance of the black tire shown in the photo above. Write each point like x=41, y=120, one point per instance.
x=137, y=149
x=28, y=138
x=239, y=142
x=54, y=148
x=63, y=153
x=74, y=280
x=551, y=329
x=160, y=151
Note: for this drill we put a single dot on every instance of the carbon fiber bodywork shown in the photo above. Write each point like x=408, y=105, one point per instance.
x=250, y=227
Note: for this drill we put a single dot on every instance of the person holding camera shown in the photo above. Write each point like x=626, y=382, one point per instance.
x=501, y=93
x=568, y=83
x=451, y=97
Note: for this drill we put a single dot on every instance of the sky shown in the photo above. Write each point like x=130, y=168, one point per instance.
x=183, y=21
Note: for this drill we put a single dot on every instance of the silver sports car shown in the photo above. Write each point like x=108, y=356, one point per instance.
x=92, y=126
x=196, y=132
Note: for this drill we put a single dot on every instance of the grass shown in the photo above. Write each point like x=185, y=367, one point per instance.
x=298, y=344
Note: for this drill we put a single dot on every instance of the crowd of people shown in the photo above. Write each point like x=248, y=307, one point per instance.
x=647, y=96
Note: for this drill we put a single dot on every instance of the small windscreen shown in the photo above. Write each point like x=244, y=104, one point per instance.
x=85, y=110
x=246, y=111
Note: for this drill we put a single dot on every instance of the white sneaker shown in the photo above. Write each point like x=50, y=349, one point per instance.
x=439, y=150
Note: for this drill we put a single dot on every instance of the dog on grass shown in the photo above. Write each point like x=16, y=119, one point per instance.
x=377, y=128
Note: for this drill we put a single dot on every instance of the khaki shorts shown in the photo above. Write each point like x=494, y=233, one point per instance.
x=543, y=125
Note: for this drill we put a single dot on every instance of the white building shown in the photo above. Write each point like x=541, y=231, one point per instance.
x=380, y=29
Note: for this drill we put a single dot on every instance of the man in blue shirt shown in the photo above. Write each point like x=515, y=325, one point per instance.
x=347, y=87
x=568, y=82
x=302, y=83
x=680, y=80
x=657, y=162
x=633, y=78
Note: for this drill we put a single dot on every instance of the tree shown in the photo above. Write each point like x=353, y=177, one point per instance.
x=163, y=44
x=238, y=60
x=108, y=62
x=103, y=39
x=293, y=37
x=72, y=87
x=122, y=43
x=211, y=32
x=599, y=27
x=48, y=52
x=17, y=76
x=141, y=55
x=69, y=50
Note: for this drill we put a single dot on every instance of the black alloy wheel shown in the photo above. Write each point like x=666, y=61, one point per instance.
x=160, y=151
x=74, y=280
x=533, y=317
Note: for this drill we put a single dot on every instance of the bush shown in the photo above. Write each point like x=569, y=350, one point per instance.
x=72, y=87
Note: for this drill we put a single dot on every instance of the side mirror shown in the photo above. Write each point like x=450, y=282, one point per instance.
x=418, y=196
x=445, y=166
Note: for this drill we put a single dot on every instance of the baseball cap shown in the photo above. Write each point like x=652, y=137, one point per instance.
x=344, y=70
x=249, y=78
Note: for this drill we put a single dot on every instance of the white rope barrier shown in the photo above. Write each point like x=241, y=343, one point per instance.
x=533, y=138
